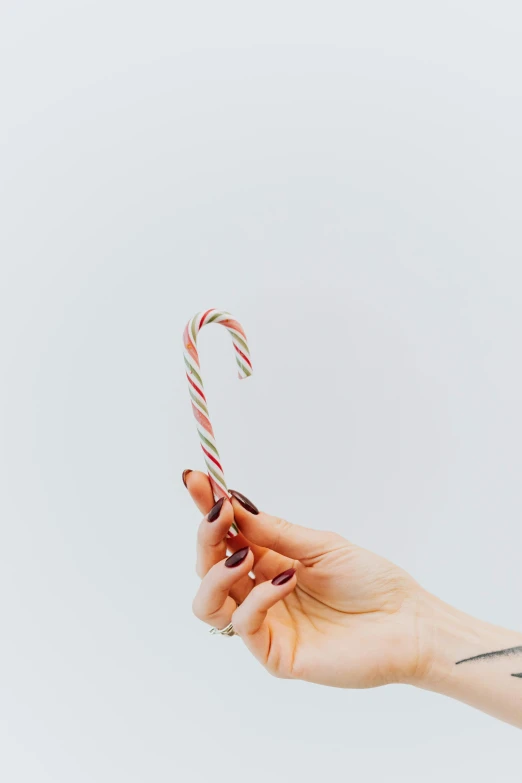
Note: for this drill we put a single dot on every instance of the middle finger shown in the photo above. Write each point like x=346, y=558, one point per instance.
x=213, y=544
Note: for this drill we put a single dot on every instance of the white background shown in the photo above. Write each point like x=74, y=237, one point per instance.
x=346, y=179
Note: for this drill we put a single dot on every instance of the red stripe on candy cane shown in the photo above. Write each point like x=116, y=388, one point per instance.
x=233, y=325
x=189, y=346
x=199, y=391
x=219, y=492
x=203, y=318
x=245, y=357
x=202, y=420
x=214, y=460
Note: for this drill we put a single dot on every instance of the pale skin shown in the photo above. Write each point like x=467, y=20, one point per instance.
x=347, y=617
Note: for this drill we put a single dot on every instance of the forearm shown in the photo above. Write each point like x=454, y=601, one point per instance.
x=470, y=660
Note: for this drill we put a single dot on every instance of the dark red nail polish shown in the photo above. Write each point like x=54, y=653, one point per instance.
x=185, y=474
x=284, y=577
x=215, y=510
x=245, y=502
x=237, y=558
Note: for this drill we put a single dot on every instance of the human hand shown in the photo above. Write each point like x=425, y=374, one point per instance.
x=319, y=609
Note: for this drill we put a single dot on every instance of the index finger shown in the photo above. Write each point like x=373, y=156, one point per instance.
x=200, y=489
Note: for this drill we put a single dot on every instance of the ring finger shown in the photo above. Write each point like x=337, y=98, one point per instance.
x=213, y=603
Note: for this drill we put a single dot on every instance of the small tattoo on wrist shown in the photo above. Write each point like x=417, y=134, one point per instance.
x=507, y=653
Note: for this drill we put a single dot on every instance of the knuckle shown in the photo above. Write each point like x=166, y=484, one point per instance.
x=334, y=538
x=282, y=525
x=201, y=537
x=197, y=609
x=215, y=572
x=238, y=623
x=281, y=528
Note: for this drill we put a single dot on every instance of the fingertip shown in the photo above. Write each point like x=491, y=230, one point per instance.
x=221, y=514
x=228, y=508
x=216, y=523
x=215, y=511
x=239, y=557
x=200, y=489
x=284, y=577
x=247, y=517
x=197, y=479
x=243, y=502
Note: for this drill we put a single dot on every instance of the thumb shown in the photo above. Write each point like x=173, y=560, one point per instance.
x=275, y=533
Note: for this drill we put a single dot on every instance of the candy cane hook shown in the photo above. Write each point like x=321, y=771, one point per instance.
x=199, y=402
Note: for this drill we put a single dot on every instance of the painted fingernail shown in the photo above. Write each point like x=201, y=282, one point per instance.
x=215, y=510
x=185, y=474
x=245, y=502
x=284, y=577
x=237, y=558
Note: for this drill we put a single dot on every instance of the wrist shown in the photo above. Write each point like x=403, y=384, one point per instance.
x=446, y=635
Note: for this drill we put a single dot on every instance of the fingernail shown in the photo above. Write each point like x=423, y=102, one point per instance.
x=245, y=502
x=185, y=474
x=237, y=558
x=215, y=510
x=284, y=577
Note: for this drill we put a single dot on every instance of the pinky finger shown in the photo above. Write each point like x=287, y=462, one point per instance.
x=249, y=619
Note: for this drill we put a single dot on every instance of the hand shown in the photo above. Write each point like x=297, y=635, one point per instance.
x=346, y=617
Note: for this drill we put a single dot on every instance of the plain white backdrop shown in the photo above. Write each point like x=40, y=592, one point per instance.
x=346, y=179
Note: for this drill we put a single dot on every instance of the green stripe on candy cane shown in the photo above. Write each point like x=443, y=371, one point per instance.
x=240, y=341
x=209, y=444
x=246, y=370
x=197, y=394
x=201, y=404
x=193, y=372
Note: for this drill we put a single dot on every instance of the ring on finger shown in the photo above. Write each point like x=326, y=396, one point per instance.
x=227, y=631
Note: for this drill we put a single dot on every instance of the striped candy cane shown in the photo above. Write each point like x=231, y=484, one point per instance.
x=199, y=402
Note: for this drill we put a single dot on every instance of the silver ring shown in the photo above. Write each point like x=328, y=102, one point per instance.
x=228, y=631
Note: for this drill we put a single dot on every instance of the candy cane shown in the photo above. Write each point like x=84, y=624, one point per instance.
x=199, y=401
